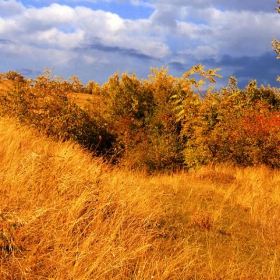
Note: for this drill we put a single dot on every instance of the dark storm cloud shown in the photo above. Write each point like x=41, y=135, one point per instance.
x=6, y=42
x=178, y=66
x=29, y=72
x=114, y=49
x=264, y=68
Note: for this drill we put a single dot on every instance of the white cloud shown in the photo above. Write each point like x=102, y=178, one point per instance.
x=244, y=33
x=228, y=32
x=64, y=27
x=178, y=31
x=57, y=39
x=10, y=7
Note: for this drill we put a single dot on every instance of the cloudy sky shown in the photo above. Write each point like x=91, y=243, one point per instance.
x=93, y=39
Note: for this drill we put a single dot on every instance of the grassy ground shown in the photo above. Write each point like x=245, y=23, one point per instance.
x=65, y=215
x=5, y=85
x=82, y=99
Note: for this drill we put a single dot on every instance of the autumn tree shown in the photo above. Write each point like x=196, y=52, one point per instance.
x=125, y=105
x=43, y=103
x=162, y=146
x=14, y=76
x=276, y=43
x=190, y=112
x=233, y=125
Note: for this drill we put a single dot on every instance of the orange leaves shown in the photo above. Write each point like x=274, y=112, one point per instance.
x=257, y=126
x=159, y=121
x=233, y=125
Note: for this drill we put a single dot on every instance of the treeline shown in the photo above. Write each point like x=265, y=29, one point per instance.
x=159, y=123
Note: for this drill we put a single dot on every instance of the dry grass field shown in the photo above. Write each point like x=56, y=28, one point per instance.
x=82, y=99
x=5, y=85
x=66, y=215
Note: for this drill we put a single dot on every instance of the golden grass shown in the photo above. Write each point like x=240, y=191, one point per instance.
x=66, y=215
x=82, y=99
x=5, y=85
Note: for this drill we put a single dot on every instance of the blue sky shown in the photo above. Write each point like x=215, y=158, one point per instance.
x=93, y=39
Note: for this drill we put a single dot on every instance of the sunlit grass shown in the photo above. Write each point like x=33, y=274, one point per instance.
x=82, y=99
x=66, y=215
x=5, y=85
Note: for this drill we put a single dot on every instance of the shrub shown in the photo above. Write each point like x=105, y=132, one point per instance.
x=14, y=76
x=44, y=103
x=233, y=125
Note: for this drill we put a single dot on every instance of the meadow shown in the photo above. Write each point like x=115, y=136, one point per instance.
x=138, y=179
x=67, y=215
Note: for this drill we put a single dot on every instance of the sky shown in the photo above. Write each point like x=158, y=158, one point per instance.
x=93, y=39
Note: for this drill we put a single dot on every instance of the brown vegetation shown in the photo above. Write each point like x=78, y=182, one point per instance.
x=66, y=215
x=161, y=123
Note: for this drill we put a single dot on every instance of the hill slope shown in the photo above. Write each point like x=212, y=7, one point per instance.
x=5, y=85
x=66, y=215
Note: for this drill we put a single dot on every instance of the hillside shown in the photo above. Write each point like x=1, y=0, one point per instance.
x=81, y=99
x=66, y=215
x=5, y=85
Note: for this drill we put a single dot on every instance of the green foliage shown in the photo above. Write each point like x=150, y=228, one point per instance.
x=147, y=116
x=164, y=144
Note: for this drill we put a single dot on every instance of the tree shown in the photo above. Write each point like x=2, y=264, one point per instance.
x=14, y=76
x=276, y=43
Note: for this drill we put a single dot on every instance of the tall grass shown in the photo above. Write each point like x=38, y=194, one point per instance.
x=66, y=215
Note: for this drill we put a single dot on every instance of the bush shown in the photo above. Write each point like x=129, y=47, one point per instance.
x=140, y=115
x=233, y=125
x=162, y=123
x=44, y=103
x=14, y=76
